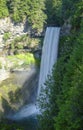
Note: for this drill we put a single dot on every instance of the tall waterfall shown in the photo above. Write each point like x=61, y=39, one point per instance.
x=49, y=57
x=49, y=54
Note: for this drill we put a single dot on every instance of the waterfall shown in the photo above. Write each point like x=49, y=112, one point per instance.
x=49, y=58
x=49, y=54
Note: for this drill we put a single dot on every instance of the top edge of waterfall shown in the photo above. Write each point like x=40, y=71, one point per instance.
x=53, y=27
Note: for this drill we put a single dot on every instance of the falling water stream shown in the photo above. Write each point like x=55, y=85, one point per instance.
x=49, y=54
x=49, y=58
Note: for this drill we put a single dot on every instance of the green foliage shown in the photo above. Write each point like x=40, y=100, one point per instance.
x=53, y=11
x=29, y=58
x=6, y=36
x=20, y=10
x=16, y=8
x=61, y=102
x=3, y=9
x=54, y=86
x=22, y=60
x=33, y=10
x=5, y=125
x=70, y=106
x=77, y=19
x=59, y=11
x=20, y=46
x=19, y=42
x=36, y=16
x=68, y=8
x=23, y=42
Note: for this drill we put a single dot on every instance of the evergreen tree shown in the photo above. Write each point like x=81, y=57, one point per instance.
x=36, y=15
x=53, y=11
x=69, y=8
x=20, y=10
x=71, y=105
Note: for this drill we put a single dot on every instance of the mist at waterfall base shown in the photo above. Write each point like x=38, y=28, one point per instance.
x=49, y=58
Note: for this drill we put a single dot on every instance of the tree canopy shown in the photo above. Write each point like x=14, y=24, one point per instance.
x=20, y=10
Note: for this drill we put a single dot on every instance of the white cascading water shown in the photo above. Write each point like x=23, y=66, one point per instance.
x=49, y=54
x=49, y=58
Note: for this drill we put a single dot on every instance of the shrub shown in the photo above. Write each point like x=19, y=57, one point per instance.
x=6, y=36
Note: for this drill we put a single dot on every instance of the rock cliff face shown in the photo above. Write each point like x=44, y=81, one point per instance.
x=7, y=26
x=66, y=28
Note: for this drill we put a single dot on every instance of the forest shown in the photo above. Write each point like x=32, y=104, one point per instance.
x=64, y=91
